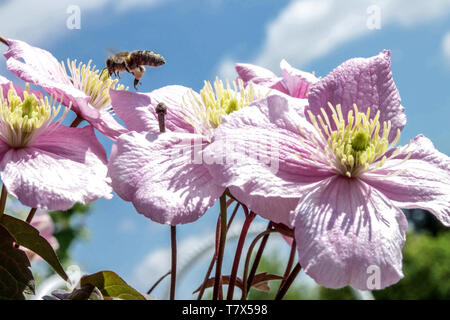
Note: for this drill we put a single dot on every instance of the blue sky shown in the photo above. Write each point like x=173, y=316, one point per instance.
x=201, y=39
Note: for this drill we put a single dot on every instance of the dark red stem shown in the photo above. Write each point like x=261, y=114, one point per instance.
x=237, y=257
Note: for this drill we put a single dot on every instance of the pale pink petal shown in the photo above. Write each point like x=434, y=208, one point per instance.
x=107, y=125
x=248, y=72
x=42, y=61
x=297, y=82
x=366, y=82
x=255, y=152
x=348, y=233
x=61, y=167
x=163, y=176
x=172, y=97
x=134, y=110
x=422, y=182
x=5, y=84
x=4, y=147
x=41, y=68
x=137, y=110
x=259, y=75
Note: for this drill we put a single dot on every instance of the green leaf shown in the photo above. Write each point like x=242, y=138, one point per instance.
x=260, y=281
x=27, y=236
x=15, y=275
x=111, y=285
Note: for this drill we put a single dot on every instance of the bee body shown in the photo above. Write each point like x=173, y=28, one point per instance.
x=133, y=62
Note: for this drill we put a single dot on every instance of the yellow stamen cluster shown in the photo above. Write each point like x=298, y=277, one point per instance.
x=205, y=113
x=352, y=144
x=22, y=118
x=92, y=82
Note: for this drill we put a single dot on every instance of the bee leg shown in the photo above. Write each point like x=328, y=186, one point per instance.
x=126, y=67
x=136, y=82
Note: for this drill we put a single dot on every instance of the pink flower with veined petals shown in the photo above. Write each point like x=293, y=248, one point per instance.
x=80, y=85
x=164, y=175
x=44, y=224
x=293, y=82
x=338, y=172
x=43, y=163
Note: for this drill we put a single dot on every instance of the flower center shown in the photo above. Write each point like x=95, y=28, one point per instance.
x=93, y=83
x=205, y=113
x=21, y=119
x=352, y=144
x=360, y=141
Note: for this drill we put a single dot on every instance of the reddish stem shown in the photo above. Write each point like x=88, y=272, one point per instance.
x=173, y=273
x=247, y=260
x=282, y=292
x=3, y=197
x=158, y=282
x=258, y=256
x=221, y=246
x=76, y=122
x=248, y=220
x=211, y=264
x=31, y=215
x=289, y=265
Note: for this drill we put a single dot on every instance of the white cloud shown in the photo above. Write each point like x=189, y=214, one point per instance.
x=39, y=21
x=226, y=69
x=309, y=29
x=131, y=4
x=446, y=47
x=45, y=21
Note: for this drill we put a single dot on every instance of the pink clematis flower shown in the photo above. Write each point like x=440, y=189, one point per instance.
x=43, y=163
x=164, y=175
x=293, y=82
x=340, y=181
x=44, y=224
x=81, y=85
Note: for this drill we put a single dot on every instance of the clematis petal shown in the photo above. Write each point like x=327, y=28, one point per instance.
x=107, y=125
x=163, y=176
x=137, y=110
x=297, y=82
x=134, y=110
x=61, y=167
x=346, y=232
x=259, y=75
x=41, y=68
x=255, y=153
x=422, y=181
x=366, y=82
x=5, y=84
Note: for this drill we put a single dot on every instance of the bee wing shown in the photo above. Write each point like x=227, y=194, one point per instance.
x=111, y=51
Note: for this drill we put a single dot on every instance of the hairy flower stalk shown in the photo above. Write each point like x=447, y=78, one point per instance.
x=22, y=119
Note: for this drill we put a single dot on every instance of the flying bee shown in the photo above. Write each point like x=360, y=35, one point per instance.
x=133, y=62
